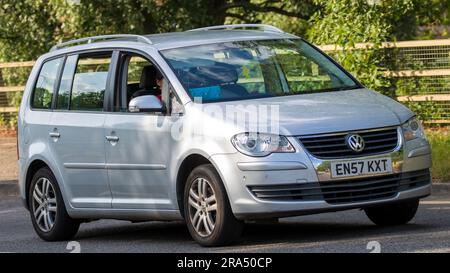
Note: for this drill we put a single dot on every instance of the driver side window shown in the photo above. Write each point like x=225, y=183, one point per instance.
x=137, y=78
x=140, y=81
x=142, y=78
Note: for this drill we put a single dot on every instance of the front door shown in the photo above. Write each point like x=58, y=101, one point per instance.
x=138, y=144
x=137, y=160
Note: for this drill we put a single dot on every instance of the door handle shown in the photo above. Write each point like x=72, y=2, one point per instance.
x=112, y=138
x=54, y=134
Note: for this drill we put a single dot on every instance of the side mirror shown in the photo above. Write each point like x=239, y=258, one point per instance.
x=147, y=103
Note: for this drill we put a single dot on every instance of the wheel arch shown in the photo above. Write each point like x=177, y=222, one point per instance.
x=34, y=166
x=189, y=163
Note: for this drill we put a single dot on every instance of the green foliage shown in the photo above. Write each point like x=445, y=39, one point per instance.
x=292, y=16
x=15, y=76
x=408, y=86
x=29, y=27
x=8, y=121
x=432, y=19
x=92, y=101
x=42, y=98
x=347, y=22
x=425, y=110
x=440, y=143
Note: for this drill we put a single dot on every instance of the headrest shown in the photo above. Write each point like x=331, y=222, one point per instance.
x=148, y=78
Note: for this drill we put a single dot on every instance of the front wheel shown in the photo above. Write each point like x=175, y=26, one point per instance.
x=207, y=210
x=394, y=214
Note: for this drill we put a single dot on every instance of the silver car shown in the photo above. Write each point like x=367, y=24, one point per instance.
x=213, y=126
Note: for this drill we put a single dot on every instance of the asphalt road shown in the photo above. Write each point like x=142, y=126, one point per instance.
x=348, y=231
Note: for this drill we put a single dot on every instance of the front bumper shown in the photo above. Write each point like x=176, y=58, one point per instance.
x=288, y=209
x=239, y=172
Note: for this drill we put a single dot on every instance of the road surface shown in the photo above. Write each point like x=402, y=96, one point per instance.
x=348, y=231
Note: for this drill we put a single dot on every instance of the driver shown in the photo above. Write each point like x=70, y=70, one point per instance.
x=159, y=84
x=151, y=83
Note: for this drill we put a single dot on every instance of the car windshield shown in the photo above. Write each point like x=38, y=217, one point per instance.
x=253, y=69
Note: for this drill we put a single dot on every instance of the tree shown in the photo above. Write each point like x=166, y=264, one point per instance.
x=347, y=22
x=291, y=16
x=29, y=28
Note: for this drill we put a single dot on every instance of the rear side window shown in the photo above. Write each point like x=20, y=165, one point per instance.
x=89, y=82
x=45, y=85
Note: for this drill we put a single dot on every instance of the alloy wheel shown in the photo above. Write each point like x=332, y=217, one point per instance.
x=44, y=204
x=202, y=207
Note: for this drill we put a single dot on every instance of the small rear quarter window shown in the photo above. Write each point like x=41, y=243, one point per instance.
x=45, y=85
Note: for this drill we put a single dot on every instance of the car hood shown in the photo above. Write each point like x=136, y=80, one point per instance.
x=321, y=112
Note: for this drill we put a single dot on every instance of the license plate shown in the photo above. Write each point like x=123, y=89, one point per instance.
x=361, y=167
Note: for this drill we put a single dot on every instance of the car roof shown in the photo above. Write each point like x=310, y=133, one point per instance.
x=168, y=40
x=189, y=38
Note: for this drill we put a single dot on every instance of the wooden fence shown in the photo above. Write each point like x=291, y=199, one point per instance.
x=425, y=63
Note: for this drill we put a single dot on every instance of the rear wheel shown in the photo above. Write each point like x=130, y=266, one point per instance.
x=394, y=214
x=207, y=210
x=48, y=213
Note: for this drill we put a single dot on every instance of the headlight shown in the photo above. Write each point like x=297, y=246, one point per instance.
x=256, y=144
x=412, y=129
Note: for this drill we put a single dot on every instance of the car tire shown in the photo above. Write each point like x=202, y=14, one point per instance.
x=394, y=214
x=47, y=210
x=207, y=210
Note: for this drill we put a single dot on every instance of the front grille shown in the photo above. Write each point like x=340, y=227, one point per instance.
x=344, y=191
x=334, y=146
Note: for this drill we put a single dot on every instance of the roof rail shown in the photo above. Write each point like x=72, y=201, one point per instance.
x=93, y=39
x=268, y=28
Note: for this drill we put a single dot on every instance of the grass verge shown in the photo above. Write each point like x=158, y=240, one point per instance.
x=440, y=146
